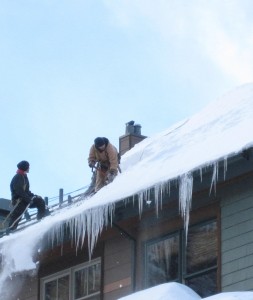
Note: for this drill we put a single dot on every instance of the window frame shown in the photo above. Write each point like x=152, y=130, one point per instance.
x=186, y=276
x=157, y=240
x=182, y=263
x=71, y=273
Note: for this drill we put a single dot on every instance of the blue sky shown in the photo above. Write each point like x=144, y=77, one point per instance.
x=74, y=70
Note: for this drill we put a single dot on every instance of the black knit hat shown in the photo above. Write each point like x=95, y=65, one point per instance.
x=99, y=141
x=23, y=165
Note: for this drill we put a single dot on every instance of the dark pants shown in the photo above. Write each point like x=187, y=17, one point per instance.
x=18, y=211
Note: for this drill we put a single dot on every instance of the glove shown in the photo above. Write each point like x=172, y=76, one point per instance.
x=34, y=197
x=92, y=164
x=113, y=172
x=111, y=175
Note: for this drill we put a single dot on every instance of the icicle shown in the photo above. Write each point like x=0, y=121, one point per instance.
x=215, y=176
x=140, y=199
x=163, y=187
x=185, y=197
x=90, y=223
x=156, y=194
x=147, y=196
x=111, y=210
x=225, y=167
x=200, y=173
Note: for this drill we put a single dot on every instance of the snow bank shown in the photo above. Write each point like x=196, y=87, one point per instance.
x=232, y=296
x=166, y=291
x=177, y=291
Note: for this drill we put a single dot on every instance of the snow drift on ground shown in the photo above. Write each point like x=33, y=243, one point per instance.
x=221, y=130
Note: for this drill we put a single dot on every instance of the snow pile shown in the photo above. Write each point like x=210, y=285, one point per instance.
x=232, y=296
x=177, y=291
x=166, y=291
x=173, y=155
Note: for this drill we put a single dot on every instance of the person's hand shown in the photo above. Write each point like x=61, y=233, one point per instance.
x=92, y=164
x=34, y=197
x=111, y=175
x=31, y=201
x=113, y=172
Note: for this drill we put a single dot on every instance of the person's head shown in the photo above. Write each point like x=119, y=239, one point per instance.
x=100, y=143
x=24, y=166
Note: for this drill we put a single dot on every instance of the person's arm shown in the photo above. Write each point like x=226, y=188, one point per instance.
x=113, y=158
x=92, y=157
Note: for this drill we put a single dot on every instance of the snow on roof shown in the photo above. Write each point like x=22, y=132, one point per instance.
x=221, y=130
x=177, y=291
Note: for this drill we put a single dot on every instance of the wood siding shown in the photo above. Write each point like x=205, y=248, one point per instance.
x=118, y=254
x=237, y=235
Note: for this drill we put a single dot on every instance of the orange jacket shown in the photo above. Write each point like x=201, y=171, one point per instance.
x=107, y=158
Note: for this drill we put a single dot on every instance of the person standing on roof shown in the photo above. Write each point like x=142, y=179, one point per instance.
x=22, y=197
x=105, y=155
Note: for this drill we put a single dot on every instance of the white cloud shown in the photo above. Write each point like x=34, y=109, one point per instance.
x=224, y=34
x=219, y=31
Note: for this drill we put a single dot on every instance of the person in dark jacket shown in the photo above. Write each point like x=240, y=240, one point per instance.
x=22, y=197
x=105, y=155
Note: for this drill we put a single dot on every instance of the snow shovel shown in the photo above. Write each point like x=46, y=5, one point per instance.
x=18, y=218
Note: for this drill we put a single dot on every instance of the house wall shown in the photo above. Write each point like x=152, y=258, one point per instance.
x=204, y=208
x=151, y=226
x=237, y=235
x=118, y=256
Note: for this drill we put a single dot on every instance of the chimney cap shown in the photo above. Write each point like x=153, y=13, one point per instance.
x=130, y=123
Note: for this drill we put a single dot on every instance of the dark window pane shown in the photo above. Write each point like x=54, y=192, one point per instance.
x=81, y=278
x=94, y=279
x=51, y=290
x=162, y=261
x=63, y=288
x=205, y=285
x=201, y=252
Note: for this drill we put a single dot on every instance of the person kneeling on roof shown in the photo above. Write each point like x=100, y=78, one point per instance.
x=22, y=197
x=105, y=155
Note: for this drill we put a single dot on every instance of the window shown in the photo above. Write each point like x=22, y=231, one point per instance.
x=194, y=263
x=162, y=260
x=78, y=283
x=57, y=288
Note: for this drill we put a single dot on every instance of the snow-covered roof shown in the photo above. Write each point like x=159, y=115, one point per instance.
x=221, y=130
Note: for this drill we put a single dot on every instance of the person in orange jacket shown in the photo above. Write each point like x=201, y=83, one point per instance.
x=104, y=157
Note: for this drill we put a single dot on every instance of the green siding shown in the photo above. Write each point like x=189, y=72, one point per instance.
x=237, y=236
